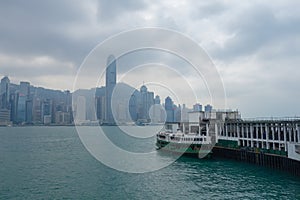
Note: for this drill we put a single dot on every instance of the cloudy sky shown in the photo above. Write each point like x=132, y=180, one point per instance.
x=255, y=45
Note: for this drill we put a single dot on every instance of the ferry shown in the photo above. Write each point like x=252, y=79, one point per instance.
x=177, y=142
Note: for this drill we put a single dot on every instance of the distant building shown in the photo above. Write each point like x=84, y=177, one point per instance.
x=25, y=88
x=147, y=100
x=5, y=106
x=184, y=113
x=47, y=111
x=111, y=80
x=197, y=107
x=80, y=110
x=100, y=103
x=133, y=106
x=62, y=118
x=169, y=109
x=29, y=111
x=5, y=117
x=157, y=100
x=21, y=109
x=208, y=108
x=36, y=110
x=5, y=93
x=177, y=113
x=157, y=112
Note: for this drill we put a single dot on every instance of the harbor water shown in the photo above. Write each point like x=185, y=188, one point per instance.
x=52, y=163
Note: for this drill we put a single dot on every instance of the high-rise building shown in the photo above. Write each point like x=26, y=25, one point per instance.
x=47, y=111
x=29, y=111
x=133, y=106
x=100, y=103
x=147, y=100
x=169, y=109
x=111, y=80
x=21, y=109
x=157, y=112
x=184, y=113
x=197, y=107
x=5, y=93
x=208, y=108
x=36, y=111
x=177, y=113
x=25, y=88
x=80, y=110
x=157, y=100
x=5, y=107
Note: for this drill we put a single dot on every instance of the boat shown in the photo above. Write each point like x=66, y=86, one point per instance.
x=177, y=142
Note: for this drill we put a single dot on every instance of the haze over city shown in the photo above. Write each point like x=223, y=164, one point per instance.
x=254, y=45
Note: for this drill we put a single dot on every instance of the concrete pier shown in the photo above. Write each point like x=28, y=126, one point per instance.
x=272, y=143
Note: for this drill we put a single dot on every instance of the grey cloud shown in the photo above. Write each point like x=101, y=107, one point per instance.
x=39, y=28
x=108, y=10
x=260, y=62
x=256, y=27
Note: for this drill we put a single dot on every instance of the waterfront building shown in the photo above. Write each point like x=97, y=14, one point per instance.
x=197, y=107
x=62, y=118
x=169, y=109
x=146, y=101
x=29, y=111
x=208, y=108
x=100, y=103
x=80, y=115
x=111, y=80
x=184, y=113
x=24, y=88
x=5, y=93
x=21, y=108
x=36, y=110
x=133, y=106
x=157, y=100
x=156, y=111
x=177, y=113
x=47, y=111
x=5, y=117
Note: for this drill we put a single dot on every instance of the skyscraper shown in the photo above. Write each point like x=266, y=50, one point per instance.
x=208, y=108
x=25, y=88
x=5, y=115
x=111, y=80
x=169, y=109
x=21, y=109
x=147, y=100
x=197, y=107
x=4, y=92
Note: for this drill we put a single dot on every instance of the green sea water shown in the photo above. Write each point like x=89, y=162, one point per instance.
x=52, y=163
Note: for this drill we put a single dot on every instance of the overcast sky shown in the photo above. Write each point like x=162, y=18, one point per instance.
x=255, y=45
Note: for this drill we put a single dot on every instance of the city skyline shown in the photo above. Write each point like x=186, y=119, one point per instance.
x=254, y=45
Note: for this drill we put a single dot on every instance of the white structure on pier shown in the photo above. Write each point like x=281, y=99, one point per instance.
x=270, y=134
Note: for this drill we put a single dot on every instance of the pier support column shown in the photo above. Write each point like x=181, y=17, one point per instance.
x=243, y=133
x=251, y=134
x=284, y=132
x=273, y=135
x=278, y=136
x=262, y=134
x=226, y=130
x=290, y=132
x=267, y=136
x=238, y=133
x=256, y=131
x=294, y=131
x=298, y=132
